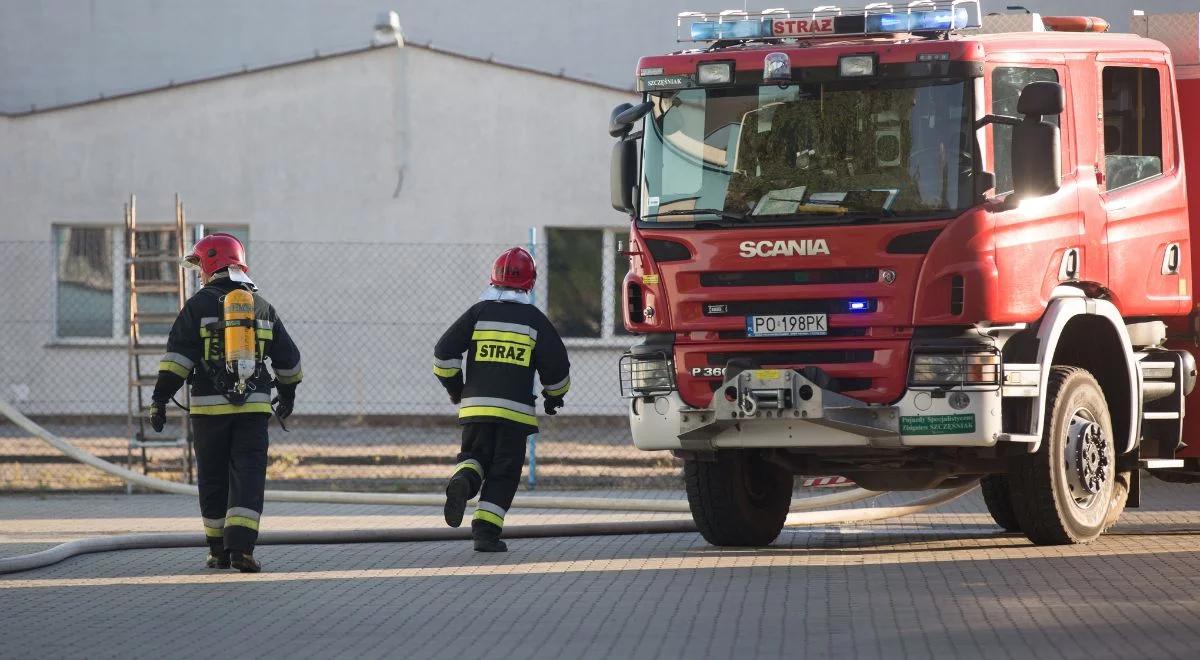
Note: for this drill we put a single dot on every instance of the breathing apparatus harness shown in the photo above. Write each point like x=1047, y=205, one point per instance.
x=233, y=357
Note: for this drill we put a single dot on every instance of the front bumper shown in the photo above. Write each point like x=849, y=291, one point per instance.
x=782, y=408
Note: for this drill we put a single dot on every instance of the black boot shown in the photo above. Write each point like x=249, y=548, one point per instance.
x=458, y=491
x=244, y=561
x=217, y=558
x=487, y=538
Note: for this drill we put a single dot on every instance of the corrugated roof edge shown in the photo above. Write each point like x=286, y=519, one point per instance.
x=34, y=110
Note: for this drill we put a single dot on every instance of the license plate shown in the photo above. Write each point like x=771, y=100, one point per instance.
x=787, y=325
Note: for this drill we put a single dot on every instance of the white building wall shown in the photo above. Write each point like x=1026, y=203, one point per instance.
x=386, y=146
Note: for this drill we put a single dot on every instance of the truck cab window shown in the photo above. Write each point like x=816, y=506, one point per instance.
x=823, y=152
x=1132, y=126
x=1007, y=83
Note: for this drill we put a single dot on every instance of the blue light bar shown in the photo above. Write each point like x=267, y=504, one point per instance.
x=860, y=305
x=717, y=30
x=828, y=20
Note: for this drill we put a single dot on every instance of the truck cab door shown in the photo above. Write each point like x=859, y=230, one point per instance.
x=1141, y=188
x=1038, y=241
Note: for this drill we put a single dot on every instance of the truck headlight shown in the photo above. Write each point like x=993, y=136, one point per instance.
x=955, y=369
x=643, y=375
x=715, y=73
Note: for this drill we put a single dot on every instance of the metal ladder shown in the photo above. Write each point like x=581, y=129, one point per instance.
x=153, y=267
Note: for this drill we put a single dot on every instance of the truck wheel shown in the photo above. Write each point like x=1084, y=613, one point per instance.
x=739, y=499
x=998, y=498
x=1063, y=493
x=1119, y=497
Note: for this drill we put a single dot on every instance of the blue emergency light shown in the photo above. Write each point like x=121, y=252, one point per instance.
x=716, y=31
x=917, y=21
x=859, y=305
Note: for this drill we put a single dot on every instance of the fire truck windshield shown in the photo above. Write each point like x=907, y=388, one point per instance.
x=809, y=153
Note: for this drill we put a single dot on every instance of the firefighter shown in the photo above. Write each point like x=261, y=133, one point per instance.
x=506, y=339
x=219, y=343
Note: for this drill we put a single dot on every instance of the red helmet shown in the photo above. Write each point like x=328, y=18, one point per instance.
x=514, y=269
x=217, y=251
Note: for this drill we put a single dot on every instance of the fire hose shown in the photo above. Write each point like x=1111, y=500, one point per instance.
x=803, y=512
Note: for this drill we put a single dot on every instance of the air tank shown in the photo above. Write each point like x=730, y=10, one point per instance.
x=239, y=336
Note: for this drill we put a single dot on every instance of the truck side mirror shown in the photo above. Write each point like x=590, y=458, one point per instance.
x=623, y=174
x=615, y=128
x=1035, y=143
x=624, y=116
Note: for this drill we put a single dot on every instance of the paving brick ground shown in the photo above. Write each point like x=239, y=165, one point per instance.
x=941, y=584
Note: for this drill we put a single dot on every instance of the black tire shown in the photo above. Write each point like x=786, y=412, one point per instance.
x=998, y=498
x=1120, y=496
x=739, y=499
x=1051, y=505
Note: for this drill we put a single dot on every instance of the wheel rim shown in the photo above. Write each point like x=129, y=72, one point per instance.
x=1087, y=464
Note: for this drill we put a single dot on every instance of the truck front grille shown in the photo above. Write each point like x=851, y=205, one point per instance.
x=836, y=384
x=790, y=277
x=792, y=358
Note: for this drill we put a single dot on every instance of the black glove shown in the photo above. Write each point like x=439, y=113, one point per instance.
x=552, y=404
x=158, y=415
x=455, y=394
x=285, y=400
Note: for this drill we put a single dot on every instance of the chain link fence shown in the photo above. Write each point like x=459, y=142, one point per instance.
x=370, y=415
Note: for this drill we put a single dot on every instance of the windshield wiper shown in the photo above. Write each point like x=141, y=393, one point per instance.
x=724, y=215
x=830, y=218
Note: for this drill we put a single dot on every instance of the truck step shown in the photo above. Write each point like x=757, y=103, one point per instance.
x=1160, y=463
x=1019, y=437
x=1157, y=370
x=1153, y=390
x=1160, y=415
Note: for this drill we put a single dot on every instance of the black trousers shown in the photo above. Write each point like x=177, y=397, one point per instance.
x=491, y=459
x=231, y=472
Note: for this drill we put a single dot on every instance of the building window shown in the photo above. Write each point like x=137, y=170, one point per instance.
x=240, y=232
x=92, y=296
x=1007, y=83
x=584, y=275
x=1132, y=126
x=84, y=287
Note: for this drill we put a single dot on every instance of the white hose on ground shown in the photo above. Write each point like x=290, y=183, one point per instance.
x=404, y=499
x=78, y=547
x=803, y=513
x=878, y=513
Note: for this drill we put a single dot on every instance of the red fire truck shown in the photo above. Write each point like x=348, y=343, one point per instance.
x=914, y=246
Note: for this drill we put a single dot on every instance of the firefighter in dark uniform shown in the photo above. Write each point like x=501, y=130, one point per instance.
x=506, y=339
x=218, y=343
